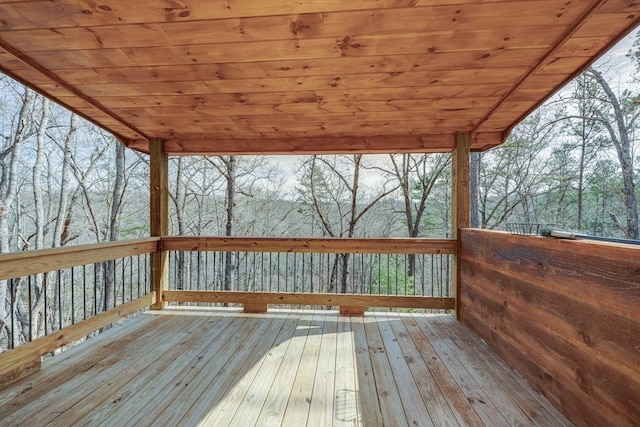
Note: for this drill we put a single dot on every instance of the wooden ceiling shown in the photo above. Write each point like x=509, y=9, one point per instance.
x=281, y=76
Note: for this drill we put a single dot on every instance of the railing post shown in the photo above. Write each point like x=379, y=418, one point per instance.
x=159, y=219
x=460, y=205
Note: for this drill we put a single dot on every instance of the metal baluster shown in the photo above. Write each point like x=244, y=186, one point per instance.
x=30, y=309
x=73, y=302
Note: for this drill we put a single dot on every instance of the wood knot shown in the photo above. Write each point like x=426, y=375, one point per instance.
x=298, y=26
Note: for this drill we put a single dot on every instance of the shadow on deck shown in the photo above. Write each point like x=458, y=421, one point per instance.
x=201, y=366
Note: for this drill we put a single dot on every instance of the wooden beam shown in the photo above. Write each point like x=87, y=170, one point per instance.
x=328, y=145
x=310, y=245
x=159, y=218
x=17, y=363
x=255, y=308
x=310, y=299
x=350, y=310
x=460, y=203
x=460, y=171
x=20, y=264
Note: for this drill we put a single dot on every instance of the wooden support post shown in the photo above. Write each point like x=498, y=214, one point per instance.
x=159, y=219
x=351, y=310
x=460, y=204
x=255, y=308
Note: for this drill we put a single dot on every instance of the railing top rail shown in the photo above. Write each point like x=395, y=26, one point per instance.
x=19, y=264
x=315, y=245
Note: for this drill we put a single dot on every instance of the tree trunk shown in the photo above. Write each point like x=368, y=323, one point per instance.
x=44, y=299
x=621, y=135
x=474, y=188
x=63, y=218
x=230, y=164
x=117, y=199
x=9, y=156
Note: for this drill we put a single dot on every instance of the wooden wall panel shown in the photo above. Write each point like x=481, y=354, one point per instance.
x=565, y=314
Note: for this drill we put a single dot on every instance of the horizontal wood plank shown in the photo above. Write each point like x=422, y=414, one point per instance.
x=20, y=264
x=310, y=299
x=298, y=146
x=313, y=245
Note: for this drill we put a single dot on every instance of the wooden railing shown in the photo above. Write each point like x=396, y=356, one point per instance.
x=58, y=278
x=349, y=273
x=58, y=296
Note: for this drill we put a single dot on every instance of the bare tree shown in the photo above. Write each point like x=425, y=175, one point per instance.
x=20, y=128
x=512, y=176
x=619, y=115
x=338, y=201
x=416, y=175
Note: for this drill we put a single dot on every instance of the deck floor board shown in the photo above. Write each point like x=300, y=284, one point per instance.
x=204, y=366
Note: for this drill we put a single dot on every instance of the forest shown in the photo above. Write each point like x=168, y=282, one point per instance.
x=571, y=165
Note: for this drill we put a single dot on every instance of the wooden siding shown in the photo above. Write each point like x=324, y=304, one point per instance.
x=565, y=314
x=190, y=366
x=196, y=72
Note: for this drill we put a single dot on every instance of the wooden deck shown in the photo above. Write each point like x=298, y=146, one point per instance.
x=189, y=366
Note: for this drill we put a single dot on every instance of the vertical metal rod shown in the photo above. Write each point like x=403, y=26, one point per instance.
x=206, y=269
x=130, y=278
x=278, y=276
x=295, y=270
x=270, y=270
x=246, y=270
x=388, y=275
x=59, y=290
x=362, y=277
x=379, y=274
x=12, y=286
x=215, y=271
x=254, y=272
x=286, y=272
x=262, y=271
x=190, y=270
x=95, y=289
x=146, y=282
x=303, y=275
x=199, y=254
x=44, y=284
x=137, y=276
x=422, y=273
x=30, y=309
x=396, y=268
x=115, y=282
x=123, y=280
x=73, y=301
x=309, y=271
x=84, y=292
x=353, y=273
x=237, y=272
